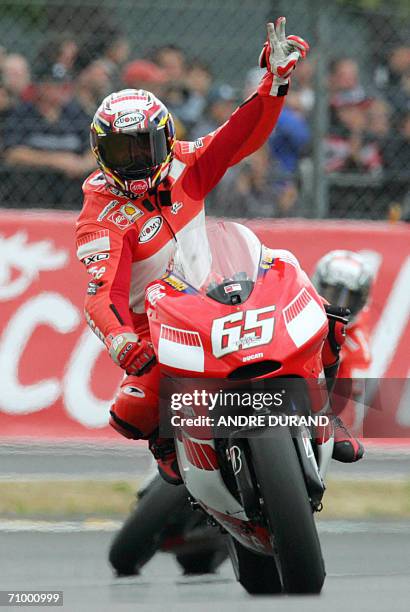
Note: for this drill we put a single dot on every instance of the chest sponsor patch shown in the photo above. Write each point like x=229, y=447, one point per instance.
x=150, y=229
x=119, y=220
x=124, y=217
x=131, y=212
x=107, y=209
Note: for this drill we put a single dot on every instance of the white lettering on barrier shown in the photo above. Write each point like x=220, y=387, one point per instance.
x=28, y=259
x=79, y=399
x=44, y=309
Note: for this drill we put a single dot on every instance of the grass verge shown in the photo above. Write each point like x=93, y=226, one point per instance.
x=344, y=499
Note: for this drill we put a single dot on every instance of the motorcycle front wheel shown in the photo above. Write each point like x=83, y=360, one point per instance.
x=288, y=513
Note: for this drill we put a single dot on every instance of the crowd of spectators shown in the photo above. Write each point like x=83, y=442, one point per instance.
x=46, y=107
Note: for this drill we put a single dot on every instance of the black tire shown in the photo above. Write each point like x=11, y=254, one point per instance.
x=201, y=562
x=204, y=548
x=288, y=512
x=141, y=535
x=258, y=574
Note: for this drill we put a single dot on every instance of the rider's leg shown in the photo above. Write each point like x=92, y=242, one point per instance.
x=346, y=447
x=135, y=415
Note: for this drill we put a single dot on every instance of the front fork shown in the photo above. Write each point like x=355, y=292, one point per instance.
x=314, y=468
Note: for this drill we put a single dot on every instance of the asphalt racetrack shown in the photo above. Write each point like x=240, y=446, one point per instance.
x=368, y=569
x=101, y=462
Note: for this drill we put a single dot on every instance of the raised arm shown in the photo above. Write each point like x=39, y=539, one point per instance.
x=251, y=124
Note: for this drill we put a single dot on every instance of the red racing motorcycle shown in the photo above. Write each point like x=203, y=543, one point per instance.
x=230, y=309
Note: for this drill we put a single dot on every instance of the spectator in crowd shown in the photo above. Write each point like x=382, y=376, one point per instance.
x=172, y=59
x=143, y=74
x=199, y=81
x=344, y=81
x=396, y=155
x=49, y=134
x=394, y=79
x=249, y=190
x=92, y=85
x=288, y=142
x=252, y=78
x=378, y=121
x=3, y=55
x=350, y=147
x=177, y=94
x=302, y=96
x=221, y=104
x=115, y=53
x=290, y=139
x=16, y=75
x=5, y=108
x=60, y=50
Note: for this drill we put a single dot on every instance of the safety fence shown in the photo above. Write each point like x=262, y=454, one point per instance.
x=341, y=148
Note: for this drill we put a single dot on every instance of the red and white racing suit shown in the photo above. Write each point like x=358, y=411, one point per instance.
x=125, y=244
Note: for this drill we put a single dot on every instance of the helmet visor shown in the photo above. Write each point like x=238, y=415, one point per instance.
x=133, y=155
x=338, y=295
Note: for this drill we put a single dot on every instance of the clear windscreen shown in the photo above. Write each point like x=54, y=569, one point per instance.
x=220, y=254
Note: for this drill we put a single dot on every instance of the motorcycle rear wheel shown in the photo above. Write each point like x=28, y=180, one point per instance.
x=142, y=533
x=288, y=512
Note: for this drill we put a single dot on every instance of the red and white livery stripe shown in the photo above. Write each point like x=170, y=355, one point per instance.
x=181, y=348
x=303, y=317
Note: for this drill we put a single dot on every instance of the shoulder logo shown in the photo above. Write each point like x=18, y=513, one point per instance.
x=128, y=120
x=98, y=179
x=199, y=143
x=150, y=229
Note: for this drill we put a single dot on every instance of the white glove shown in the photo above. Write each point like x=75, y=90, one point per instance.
x=281, y=53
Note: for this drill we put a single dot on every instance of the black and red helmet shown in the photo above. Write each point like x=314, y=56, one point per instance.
x=132, y=137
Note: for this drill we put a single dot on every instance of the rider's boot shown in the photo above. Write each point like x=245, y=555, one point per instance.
x=164, y=452
x=347, y=448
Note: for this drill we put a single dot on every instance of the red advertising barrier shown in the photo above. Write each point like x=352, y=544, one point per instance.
x=56, y=380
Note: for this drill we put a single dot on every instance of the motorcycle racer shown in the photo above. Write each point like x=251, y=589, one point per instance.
x=147, y=194
x=343, y=278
